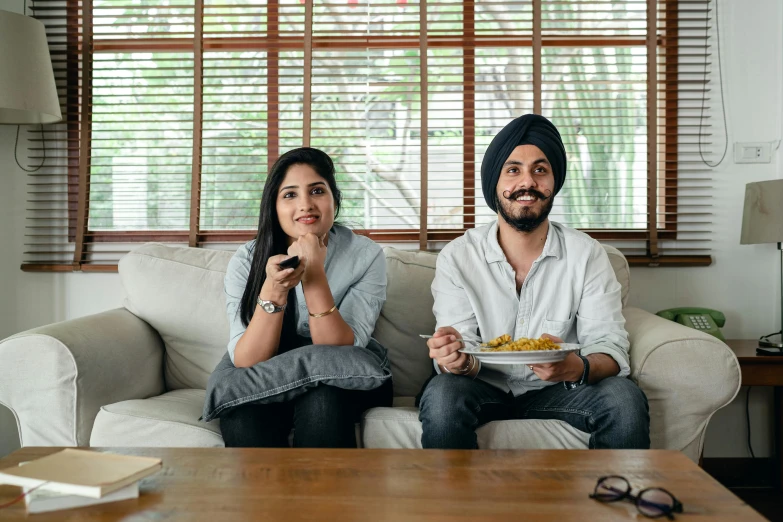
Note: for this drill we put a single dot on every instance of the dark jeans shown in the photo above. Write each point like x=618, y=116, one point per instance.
x=614, y=411
x=323, y=417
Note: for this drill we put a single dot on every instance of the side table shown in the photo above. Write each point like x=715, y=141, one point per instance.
x=763, y=370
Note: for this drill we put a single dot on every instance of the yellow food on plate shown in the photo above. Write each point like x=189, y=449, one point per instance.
x=523, y=344
x=497, y=341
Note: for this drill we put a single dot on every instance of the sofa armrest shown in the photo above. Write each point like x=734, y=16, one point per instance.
x=55, y=378
x=687, y=376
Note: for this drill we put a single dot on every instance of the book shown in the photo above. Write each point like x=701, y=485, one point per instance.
x=79, y=472
x=41, y=500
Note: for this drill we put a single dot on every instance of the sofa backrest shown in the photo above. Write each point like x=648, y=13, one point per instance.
x=179, y=292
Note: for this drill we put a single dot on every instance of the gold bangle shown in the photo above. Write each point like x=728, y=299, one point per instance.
x=332, y=309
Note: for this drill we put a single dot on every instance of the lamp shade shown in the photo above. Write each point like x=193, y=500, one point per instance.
x=28, y=94
x=762, y=217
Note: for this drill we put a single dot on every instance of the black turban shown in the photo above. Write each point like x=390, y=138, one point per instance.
x=530, y=129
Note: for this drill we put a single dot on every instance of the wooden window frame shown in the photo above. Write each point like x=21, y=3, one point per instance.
x=662, y=182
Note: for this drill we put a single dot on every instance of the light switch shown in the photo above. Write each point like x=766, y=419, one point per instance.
x=759, y=152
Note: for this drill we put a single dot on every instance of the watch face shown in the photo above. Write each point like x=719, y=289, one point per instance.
x=269, y=307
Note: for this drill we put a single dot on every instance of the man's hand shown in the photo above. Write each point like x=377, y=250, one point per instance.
x=444, y=347
x=569, y=369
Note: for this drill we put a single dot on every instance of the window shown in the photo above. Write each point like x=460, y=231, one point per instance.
x=176, y=109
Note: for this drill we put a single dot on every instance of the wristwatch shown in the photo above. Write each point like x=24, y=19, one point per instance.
x=570, y=385
x=269, y=307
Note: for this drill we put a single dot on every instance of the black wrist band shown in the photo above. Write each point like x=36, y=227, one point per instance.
x=570, y=385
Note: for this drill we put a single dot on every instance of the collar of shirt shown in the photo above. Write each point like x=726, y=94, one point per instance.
x=332, y=246
x=553, y=246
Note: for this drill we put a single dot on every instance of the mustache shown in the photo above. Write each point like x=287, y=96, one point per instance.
x=522, y=192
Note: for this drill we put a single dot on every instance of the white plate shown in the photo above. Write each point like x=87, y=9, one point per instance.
x=522, y=357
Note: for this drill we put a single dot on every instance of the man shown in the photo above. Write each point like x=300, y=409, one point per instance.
x=526, y=276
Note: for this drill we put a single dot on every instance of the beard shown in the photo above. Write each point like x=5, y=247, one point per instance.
x=527, y=220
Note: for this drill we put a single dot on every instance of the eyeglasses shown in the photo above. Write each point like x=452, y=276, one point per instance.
x=651, y=502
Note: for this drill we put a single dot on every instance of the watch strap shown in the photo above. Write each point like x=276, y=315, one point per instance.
x=570, y=385
x=262, y=303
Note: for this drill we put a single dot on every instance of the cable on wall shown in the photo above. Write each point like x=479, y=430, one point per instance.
x=16, y=145
x=747, y=419
x=704, y=90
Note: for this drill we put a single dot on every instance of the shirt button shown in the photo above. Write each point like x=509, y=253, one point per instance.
x=306, y=325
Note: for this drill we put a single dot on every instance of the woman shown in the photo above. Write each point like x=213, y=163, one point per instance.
x=333, y=297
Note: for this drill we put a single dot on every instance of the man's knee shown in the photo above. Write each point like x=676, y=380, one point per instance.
x=445, y=395
x=625, y=402
x=616, y=392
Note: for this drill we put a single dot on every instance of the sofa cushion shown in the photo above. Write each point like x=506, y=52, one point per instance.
x=621, y=271
x=400, y=427
x=406, y=314
x=168, y=420
x=171, y=420
x=179, y=291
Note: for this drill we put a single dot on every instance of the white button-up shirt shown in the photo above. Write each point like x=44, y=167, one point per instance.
x=570, y=292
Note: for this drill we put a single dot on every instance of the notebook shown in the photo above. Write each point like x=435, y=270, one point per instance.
x=41, y=501
x=79, y=472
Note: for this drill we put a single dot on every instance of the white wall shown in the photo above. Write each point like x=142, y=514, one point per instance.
x=8, y=437
x=28, y=300
x=742, y=282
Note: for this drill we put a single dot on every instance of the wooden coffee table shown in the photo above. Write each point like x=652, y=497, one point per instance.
x=216, y=484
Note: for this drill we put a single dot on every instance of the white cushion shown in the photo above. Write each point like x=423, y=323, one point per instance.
x=406, y=314
x=168, y=420
x=621, y=271
x=179, y=291
x=171, y=420
x=400, y=427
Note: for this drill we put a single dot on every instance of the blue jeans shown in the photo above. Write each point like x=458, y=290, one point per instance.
x=614, y=411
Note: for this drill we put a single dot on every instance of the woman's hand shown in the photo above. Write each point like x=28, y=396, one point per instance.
x=280, y=281
x=312, y=254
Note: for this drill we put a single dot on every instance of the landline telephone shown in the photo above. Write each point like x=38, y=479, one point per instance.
x=704, y=319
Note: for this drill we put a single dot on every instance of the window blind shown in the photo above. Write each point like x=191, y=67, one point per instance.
x=187, y=104
x=53, y=150
x=253, y=91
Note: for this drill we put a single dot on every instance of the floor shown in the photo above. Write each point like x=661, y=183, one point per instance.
x=751, y=480
x=767, y=501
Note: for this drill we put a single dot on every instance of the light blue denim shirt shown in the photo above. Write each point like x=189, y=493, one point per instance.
x=356, y=272
x=571, y=292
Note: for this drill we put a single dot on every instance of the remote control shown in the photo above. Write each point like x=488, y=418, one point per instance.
x=291, y=262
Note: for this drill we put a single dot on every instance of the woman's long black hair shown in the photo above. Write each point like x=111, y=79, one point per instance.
x=271, y=240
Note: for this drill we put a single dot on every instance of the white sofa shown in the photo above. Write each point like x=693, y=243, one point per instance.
x=135, y=376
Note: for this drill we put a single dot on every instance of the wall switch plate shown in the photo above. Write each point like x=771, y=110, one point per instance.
x=760, y=152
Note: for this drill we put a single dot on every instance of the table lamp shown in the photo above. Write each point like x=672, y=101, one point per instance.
x=28, y=94
x=762, y=222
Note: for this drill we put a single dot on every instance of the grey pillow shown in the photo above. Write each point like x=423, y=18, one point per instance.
x=292, y=373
